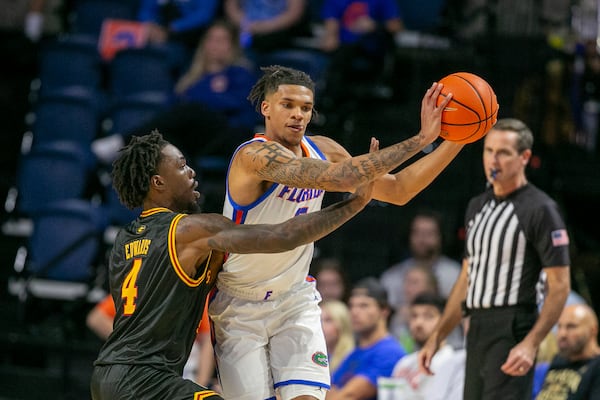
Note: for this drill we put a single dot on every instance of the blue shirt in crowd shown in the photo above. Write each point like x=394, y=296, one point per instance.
x=370, y=362
x=193, y=14
x=348, y=11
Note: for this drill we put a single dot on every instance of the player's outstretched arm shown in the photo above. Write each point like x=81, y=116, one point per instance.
x=204, y=232
x=288, y=235
x=403, y=186
x=272, y=162
x=299, y=230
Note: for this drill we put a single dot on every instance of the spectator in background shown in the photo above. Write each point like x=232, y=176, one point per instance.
x=219, y=79
x=447, y=383
x=332, y=282
x=179, y=21
x=549, y=346
x=574, y=373
x=337, y=329
x=32, y=18
x=425, y=244
x=210, y=114
x=376, y=350
x=359, y=36
x=418, y=280
x=267, y=25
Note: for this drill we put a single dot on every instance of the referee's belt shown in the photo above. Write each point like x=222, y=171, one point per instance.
x=529, y=308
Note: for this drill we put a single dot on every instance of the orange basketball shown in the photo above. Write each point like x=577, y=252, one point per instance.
x=473, y=109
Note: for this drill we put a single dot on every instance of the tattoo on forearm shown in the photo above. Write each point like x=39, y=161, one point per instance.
x=387, y=159
x=285, y=236
x=314, y=173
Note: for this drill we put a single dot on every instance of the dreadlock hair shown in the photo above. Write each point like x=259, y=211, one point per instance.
x=134, y=167
x=273, y=76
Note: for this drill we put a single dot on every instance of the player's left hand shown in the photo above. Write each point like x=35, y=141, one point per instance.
x=520, y=360
x=431, y=113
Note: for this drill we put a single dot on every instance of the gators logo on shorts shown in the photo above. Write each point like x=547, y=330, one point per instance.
x=320, y=358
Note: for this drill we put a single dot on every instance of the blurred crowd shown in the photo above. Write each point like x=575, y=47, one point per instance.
x=543, y=61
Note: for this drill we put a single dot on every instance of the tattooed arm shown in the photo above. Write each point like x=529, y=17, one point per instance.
x=198, y=234
x=272, y=162
x=288, y=235
x=404, y=185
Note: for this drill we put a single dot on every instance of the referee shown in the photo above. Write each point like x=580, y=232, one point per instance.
x=514, y=232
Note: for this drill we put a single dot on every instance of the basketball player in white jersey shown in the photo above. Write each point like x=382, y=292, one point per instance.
x=266, y=315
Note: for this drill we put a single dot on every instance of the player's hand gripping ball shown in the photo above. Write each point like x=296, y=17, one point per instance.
x=471, y=112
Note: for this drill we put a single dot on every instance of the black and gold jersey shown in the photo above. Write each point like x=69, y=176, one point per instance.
x=158, y=305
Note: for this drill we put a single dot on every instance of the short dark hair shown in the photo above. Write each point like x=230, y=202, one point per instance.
x=273, y=76
x=371, y=287
x=525, y=139
x=135, y=165
x=430, y=299
x=432, y=214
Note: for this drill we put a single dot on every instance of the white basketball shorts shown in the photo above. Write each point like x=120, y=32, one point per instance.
x=263, y=346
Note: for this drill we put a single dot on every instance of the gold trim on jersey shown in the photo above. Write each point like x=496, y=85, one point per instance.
x=152, y=211
x=175, y=260
x=204, y=394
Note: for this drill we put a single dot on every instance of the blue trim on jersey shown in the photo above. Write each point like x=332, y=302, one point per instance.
x=271, y=189
x=255, y=202
x=236, y=206
x=229, y=166
x=315, y=148
x=234, y=217
x=244, y=214
x=302, y=382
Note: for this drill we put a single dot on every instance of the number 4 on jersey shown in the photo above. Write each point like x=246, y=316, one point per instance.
x=129, y=289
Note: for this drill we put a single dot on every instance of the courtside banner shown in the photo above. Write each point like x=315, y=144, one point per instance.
x=119, y=34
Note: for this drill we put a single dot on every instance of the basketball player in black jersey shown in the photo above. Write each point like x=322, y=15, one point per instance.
x=515, y=234
x=164, y=263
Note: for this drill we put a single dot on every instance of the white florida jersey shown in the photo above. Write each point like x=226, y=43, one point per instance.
x=267, y=276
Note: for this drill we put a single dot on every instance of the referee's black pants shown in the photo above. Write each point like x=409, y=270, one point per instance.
x=492, y=334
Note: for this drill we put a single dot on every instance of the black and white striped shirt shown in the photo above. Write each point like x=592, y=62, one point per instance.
x=508, y=242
